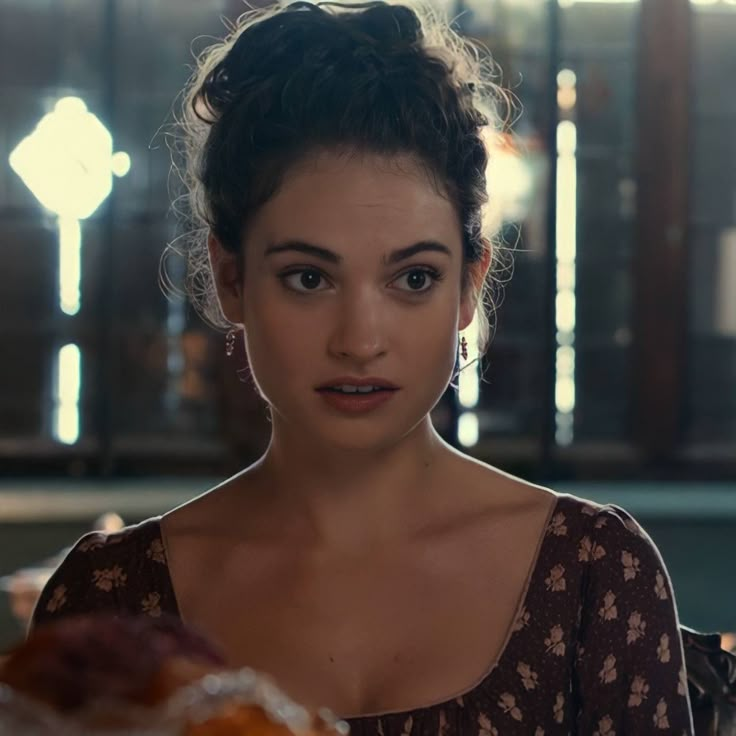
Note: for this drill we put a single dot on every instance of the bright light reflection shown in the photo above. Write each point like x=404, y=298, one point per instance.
x=565, y=359
x=68, y=164
x=567, y=96
x=120, y=163
x=70, y=267
x=468, y=381
x=565, y=306
x=67, y=161
x=566, y=78
x=570, y=3
x=508, y=164
x=567, y=208
x=566, y=276
x=467, y=429
x=468, y=391
x=68, y=384
x=566, y=235
x=565, y=394
x=567, y=138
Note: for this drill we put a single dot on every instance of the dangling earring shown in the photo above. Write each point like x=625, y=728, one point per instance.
x=230, y=343
x=464, y=348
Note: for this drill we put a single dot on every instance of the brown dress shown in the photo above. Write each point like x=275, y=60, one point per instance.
x=595, y=648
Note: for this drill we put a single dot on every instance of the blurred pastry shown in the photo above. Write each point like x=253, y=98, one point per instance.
x=108, y=672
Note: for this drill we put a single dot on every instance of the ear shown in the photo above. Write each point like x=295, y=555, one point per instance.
x=478, y=273
x=227, y=280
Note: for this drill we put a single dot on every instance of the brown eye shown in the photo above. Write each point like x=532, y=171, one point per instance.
x=309, y=279
x=418, y=277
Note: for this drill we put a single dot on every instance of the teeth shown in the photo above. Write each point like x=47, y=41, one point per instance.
x=354, y=389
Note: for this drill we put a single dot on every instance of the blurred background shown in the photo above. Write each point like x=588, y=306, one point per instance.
x=612, y=371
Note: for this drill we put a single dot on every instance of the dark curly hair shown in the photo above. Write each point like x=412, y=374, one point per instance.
x=369, y=77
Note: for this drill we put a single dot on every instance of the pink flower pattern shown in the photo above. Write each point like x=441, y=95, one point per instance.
x=594, y=647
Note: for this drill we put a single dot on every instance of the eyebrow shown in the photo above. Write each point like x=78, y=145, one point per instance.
x=327, y=255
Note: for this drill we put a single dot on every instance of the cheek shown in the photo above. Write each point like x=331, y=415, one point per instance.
x=443, y=350
x=279, y=347
x=428, y=347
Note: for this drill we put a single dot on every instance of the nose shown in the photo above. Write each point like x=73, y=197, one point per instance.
x=360, y=330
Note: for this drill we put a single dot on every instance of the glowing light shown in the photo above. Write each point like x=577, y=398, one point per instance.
x=67, y=161
x=565, y=308
x=567, y=209
x=565, y=394
x=565, y=359
x=566, y=300
x=68, y=164
x=512, y=197
x=567, y=138
x=570, y=3
x=468, y=380
x=70, y=267
x=468, y=389
x=120, y=163
x=724, y=301
x=566, y=276
x=467, y=429
x=567, y=98
x=567, y=78
x=67, y=391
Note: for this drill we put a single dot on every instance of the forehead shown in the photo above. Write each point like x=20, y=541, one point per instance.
x=336, y=198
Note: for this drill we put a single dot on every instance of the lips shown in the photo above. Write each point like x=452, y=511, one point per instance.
x=356, y=403
x=357, y=393
x=355, y=381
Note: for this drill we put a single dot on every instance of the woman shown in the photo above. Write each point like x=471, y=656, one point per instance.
x=337, y=169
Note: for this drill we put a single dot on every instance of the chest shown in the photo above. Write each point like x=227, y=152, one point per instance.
x=374, y=634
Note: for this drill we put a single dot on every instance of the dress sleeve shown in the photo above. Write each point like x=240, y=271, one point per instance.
x=87, y=580
x=630, y=666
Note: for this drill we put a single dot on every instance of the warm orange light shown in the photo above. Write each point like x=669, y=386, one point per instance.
x=728, y=641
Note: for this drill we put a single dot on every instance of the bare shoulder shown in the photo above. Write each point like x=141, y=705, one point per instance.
x=207, y=512
x=498, y=491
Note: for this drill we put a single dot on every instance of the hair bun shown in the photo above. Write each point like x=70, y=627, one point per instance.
x=379, y=28
x=391, y=24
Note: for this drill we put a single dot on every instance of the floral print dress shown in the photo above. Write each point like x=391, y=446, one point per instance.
x=595, y=648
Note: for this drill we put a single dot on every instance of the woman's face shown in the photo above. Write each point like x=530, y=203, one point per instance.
x=309, y=318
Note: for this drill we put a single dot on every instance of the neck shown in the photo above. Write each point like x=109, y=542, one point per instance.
x=354, y=500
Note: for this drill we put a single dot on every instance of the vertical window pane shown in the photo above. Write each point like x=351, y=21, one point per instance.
x=168, y=362
x=712, y=334
x=599, y=49
x=511, y=400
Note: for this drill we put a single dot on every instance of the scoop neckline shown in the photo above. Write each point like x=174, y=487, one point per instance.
x=466, y=692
